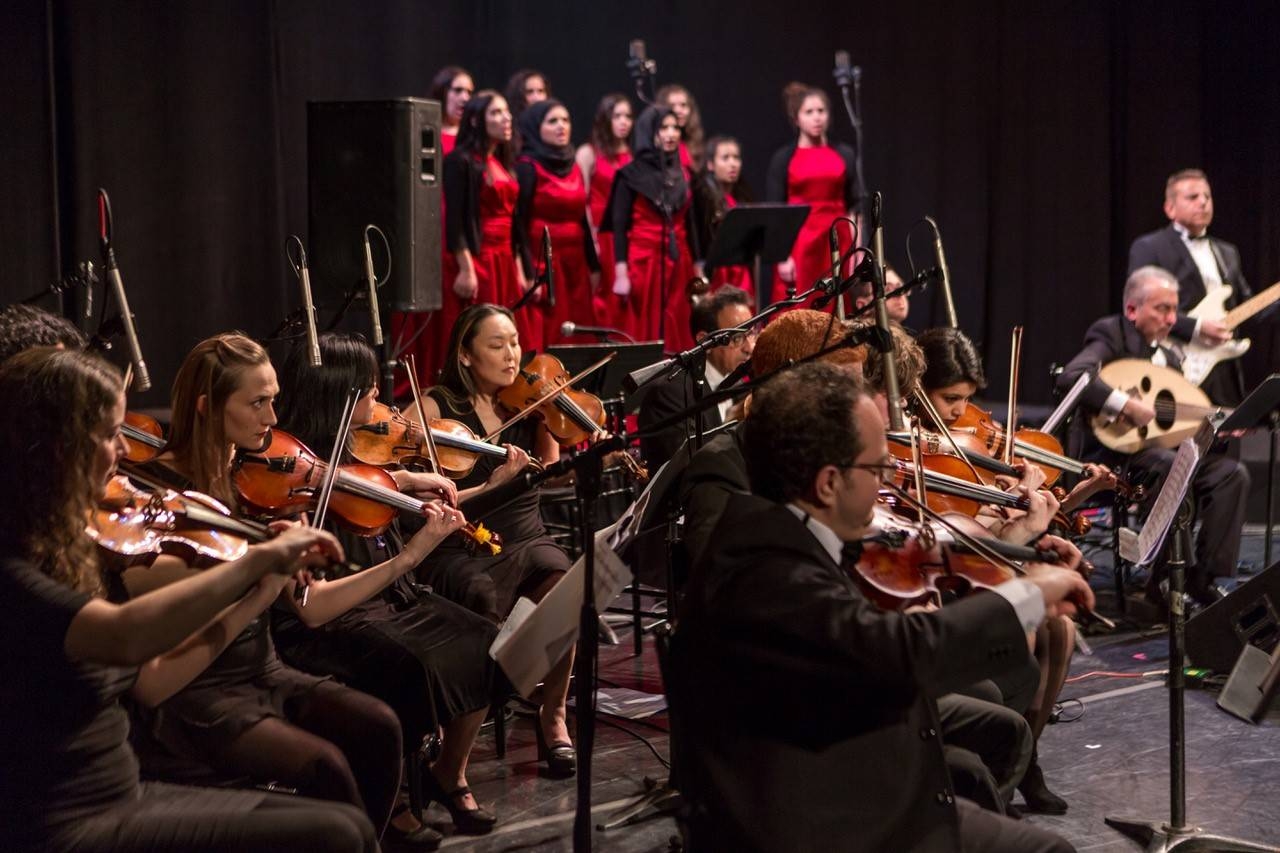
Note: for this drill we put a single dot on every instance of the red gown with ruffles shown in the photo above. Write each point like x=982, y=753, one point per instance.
x=560, y=204
x=607, y=306
x=816, y=177
x=496, y=279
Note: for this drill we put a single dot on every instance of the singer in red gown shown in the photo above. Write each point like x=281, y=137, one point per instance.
x=599, y=160
x=553, y=196
x=815, y=172
x=650, y=212
x=718, y=190
x=424, y=334
x=480, y=201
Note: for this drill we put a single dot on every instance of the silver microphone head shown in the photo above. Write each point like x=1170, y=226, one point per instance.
x=567, y=328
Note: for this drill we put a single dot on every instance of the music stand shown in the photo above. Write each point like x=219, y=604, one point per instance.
x=752, y=235
x=606, y=383
x=1261, y=409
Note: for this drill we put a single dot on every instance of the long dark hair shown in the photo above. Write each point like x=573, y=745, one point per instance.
x=473, y=136
x=602, y=124
x=709, y=187
x=456, y=383
x=443, y=81
x=311, y=398
x=47, y=456
x=950, y=358
x=515, y=89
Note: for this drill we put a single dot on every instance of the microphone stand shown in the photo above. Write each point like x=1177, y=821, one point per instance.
x=854, y=109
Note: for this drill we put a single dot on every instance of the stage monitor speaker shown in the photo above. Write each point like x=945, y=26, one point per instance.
x=375, y=162
x=1216, y=635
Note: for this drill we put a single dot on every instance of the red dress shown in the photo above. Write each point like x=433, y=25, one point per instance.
x=816, y=177
x=607, y=306
x=657, y=306
x=560, y=204
x=738, y=276
x=429, y=330
x=496, y=279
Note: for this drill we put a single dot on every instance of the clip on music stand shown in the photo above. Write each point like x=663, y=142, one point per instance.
x=752, y=235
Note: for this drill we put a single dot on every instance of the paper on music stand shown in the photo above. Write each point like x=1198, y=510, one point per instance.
x=1068, y=403
x=1172, y=492
x=536, y=636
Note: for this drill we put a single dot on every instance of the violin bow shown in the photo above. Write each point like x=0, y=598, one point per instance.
x=523, y=413
x=325, y=491
x=1011, y=422
x=412, y=369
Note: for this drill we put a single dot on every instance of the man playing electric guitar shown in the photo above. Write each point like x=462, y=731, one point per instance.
x=1203, y=265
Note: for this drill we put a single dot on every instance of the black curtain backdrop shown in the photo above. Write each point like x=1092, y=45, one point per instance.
x=1038, y=135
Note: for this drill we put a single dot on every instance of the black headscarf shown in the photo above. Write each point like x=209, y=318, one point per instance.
x=653, y=173
x=557, y=159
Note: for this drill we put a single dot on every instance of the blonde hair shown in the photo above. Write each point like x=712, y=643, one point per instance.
x=198, y=440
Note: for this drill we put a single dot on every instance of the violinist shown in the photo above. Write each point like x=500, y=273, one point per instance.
x=249, y=714
x=953, y=374
x=70, y=779
x=847, y=754
x=423, y=655
x=726, y=308
x=484, y=358
x=988, y=745
x=1220, y=485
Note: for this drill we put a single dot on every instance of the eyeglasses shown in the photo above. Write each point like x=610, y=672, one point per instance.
x=884, y=470
x=737, y=339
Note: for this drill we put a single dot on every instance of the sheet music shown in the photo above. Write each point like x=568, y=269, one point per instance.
x=1169, y=500
x=536, y=636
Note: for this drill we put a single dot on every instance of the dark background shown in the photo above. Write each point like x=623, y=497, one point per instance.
x=1038, y=135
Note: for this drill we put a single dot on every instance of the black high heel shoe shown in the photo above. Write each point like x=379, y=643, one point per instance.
x=1036, y=793
x=561, y=757
x=475, y=821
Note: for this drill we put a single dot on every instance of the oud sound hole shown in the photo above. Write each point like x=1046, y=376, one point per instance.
x=1166, y=409
x=1146, y=384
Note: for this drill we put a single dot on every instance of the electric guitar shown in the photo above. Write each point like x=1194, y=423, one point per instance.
x=1199, y=359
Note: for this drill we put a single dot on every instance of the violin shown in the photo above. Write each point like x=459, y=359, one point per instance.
x=1031, y=445
x=284, y=480
x=543, y=386
x=391, y=437
x=146, y=437
x=136, y=526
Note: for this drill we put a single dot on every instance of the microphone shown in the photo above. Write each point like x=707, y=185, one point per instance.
x=141, y=376
x=892, y=391
x=845, y=74
x=569, y=328
x=547, y=271
x=308, y=307
x=374, y=314
x=837, y=289
x=945, y=272
x=639, y=65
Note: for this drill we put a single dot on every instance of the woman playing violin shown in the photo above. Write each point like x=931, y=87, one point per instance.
x=483, y=358
x=249, y=714
x=70, y=778
x=952, y=376
x=425, y=656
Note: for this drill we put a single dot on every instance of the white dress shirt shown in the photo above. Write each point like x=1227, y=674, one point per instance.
x=714, y=378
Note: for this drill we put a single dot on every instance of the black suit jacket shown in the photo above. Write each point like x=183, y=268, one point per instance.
x=1165, y=249
x=807, y=713
x=663, y=400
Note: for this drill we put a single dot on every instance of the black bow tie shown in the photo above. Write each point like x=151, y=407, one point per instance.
x=851, y=553
x=1204, y=236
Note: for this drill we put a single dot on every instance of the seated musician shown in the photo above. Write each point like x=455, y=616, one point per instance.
x=847, y=755
x=1202, y=265
x=26, y=326
x=1220, y=485
x=988, y=743
x=726, y=308
x=70, y=780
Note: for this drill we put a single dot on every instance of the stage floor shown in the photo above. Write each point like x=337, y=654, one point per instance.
x=1110, y=759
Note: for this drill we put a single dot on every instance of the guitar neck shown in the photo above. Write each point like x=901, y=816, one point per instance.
x=1251, y=306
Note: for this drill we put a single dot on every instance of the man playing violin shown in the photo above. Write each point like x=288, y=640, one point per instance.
x=1220, y=484
x=848, y=757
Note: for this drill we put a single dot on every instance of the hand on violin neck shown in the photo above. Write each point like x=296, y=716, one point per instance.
x=441, y=523
x=296, y=547
x=1022, y=528
x=426, y=486
x=1069, y=556
x=517, y=461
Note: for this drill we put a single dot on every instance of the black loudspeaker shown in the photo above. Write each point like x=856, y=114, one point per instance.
x=375, y=162
x=1216, y=635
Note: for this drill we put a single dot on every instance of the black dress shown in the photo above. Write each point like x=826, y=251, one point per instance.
x=68, y=779
x=490, y=585
x=425, y=656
